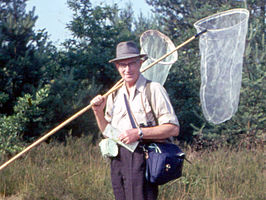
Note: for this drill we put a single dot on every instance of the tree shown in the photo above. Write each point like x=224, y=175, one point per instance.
x=24, y=54
x=27, y=118
x=25, y=68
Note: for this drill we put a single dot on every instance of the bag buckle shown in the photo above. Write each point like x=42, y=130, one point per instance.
x=146, y=155
x=167, y=167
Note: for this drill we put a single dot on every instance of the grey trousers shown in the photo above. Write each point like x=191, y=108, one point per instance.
x=128, y=176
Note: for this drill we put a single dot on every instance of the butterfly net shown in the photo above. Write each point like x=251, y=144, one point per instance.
x=222, y=49
x=155, y=45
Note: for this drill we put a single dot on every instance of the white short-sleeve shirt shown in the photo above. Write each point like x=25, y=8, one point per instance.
x=116, y=112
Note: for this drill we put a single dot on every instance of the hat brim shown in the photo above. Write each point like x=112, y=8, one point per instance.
x=127, y=57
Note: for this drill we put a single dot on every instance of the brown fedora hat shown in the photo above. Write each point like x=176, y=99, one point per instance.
x=125, y=50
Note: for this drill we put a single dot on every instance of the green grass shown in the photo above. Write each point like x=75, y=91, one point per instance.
x=77, y=171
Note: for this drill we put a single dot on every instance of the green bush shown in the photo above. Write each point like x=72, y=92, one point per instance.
x=27, y=114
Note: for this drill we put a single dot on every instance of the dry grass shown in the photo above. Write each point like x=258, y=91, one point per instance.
x=77, y=171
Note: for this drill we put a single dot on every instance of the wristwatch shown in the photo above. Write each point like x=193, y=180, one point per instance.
x=140, y=133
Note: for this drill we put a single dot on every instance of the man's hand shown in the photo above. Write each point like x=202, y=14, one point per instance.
x=129, y=136
x=98, y=103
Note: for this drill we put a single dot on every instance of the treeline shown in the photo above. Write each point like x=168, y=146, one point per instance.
x=42, y=85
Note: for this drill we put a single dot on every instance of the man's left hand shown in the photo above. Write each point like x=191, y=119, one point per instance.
x=129, y=136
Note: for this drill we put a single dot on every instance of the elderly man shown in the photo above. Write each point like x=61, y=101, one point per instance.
x=155, y=115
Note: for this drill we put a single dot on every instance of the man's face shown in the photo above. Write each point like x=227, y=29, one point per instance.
x=129, y=70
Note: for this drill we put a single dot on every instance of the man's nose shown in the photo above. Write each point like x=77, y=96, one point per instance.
x=128, y=68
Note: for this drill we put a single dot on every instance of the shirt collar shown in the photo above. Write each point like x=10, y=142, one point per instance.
x=138, y=87
x=141, y=82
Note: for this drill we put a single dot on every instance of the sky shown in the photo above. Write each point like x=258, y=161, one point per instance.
x=53, y=15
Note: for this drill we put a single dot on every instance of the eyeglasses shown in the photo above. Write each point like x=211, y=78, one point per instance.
x=131, y=64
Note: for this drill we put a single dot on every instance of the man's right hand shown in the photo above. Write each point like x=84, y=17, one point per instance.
x=98, y=103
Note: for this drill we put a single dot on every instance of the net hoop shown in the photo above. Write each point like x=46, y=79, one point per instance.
x=200, y=23
x=170, y=44
x=156, y=45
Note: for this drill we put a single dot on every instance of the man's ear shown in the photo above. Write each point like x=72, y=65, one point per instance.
x=141, y=61
x=144, y=58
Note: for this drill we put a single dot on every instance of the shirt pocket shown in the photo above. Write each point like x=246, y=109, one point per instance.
x=118, y=113
x=143, y=116
x=149, y=112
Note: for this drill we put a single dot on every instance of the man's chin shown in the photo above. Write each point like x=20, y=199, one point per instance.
x=129, y=78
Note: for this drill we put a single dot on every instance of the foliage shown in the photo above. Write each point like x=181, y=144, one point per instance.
x=9, y=140
x=28, y=115
x=67, y=96
x=24, y=54
x=26, y=65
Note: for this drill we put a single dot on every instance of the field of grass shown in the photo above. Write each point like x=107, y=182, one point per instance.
x=77, y=171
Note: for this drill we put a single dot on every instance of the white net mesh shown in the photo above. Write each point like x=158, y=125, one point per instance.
x=222, y=49
x=155, y=45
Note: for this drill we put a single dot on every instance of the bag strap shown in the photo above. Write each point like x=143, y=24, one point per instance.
x=148, y=95
x=130, y=114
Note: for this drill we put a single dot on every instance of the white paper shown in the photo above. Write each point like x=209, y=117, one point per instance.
x=113, y=134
